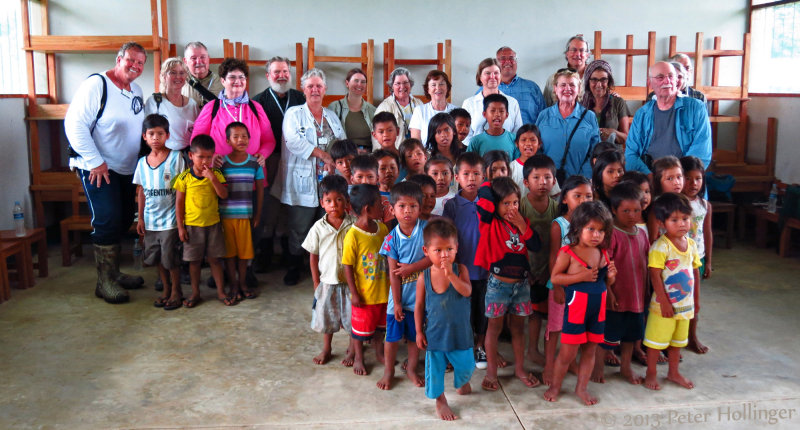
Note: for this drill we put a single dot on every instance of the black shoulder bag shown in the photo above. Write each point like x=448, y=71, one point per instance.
x=204, y=92
x=561, y=173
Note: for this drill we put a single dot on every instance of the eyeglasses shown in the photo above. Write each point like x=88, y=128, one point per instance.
x=574, y=50
x=600, y=80
x=511, y=58
x=236, y=78
x=137, y=104
x=401, y=84
x=176, y=73
x=661, y=77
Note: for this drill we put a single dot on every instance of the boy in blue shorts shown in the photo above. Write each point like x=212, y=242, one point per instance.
x=243, y=174
x=157, y=223
x=442, y=310
x=403, y=249
x=674, y=270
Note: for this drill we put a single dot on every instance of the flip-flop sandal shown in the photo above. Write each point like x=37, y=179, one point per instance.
x=488, y=385
x=171, y=306
x=250, y=294
x=228, y=301
x=190, y=303
x=160, y=302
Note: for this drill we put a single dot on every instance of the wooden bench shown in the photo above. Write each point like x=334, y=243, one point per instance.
x=763, y=218
x=729, y=209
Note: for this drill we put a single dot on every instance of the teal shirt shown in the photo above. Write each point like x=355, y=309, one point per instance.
x=485, y=142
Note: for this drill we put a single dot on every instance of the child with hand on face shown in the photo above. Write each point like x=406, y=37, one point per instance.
x=442, y=303
x=505, y=240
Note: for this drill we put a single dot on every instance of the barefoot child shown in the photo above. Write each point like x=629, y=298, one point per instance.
x=497, y=164
x=343, y=151
x=244, y=177
x=440, y=168
x=674, y=264
x=388, y=169
x=540, y=209
x=463, y=211
x=154, y=174
x=403, y=249
x=366, y=273
x=443, y=138
x=199, y=226
x=505, y=239
x=365, y=171
x=442, y=306
x=626, y=298
x=324, y=243
x=428, y=186
x=694, y=188
x=577, y=189
x=584, y=270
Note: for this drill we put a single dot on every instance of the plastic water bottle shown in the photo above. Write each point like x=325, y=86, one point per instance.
x=772, y=203
x=19, y=220
x=137, y=254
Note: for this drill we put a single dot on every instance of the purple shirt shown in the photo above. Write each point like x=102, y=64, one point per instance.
x=464, y=214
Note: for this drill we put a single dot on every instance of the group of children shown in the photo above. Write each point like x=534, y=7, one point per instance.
x=444, y=247
x=205, y=211
x=445, y=253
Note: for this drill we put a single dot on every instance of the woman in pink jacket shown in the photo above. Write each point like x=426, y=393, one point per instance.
x=232, y=105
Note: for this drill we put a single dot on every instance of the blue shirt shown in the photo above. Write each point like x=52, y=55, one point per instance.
x=464, y=214
x=485, y=142
x=555, y=131
x=692, y=128
x=529, y=96
x=447, y=317
x=405, y=249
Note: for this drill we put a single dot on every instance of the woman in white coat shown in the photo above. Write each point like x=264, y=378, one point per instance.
x=308, y=129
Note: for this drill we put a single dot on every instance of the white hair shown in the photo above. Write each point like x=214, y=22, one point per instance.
x=397, y=72
x=311, y=73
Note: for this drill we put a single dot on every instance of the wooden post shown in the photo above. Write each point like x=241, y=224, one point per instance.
x=311, y=48
x=298, y=63
x=370, y=69
x=629, y=61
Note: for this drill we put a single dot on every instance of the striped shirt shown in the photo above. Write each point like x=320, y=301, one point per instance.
x=240, y=178
x=159, y=196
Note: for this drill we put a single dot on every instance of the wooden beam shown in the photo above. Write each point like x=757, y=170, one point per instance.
x=371, y=70
x=47, y=112
x=59, y=44
x=598, y=40
x=298, y=63
x=625, y=51
x=628, y=60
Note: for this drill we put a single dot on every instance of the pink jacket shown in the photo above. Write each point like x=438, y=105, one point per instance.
x=261, y=139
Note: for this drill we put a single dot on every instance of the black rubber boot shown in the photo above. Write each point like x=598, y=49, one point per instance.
x=125, y=281
x=106, y=257
x=293, y=269
x=264, y=256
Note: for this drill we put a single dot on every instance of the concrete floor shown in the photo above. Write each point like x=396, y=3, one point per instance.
x=68, y=360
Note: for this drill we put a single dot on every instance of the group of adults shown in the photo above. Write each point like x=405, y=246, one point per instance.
x=290, y=130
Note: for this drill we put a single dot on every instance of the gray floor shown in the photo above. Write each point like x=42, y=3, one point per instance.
x=68, y=360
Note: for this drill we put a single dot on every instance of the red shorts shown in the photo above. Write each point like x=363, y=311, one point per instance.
x=366, y=319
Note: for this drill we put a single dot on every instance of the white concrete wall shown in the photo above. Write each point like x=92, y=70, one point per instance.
x=14, y=172
x=536, y=29
x=787, y=111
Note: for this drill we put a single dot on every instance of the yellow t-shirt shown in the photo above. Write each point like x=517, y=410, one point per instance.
x=202, y=203
x=361, y=250
x=677, y=273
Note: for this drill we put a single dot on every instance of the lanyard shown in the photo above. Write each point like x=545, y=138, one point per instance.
x=225, y=106
x=282, y=109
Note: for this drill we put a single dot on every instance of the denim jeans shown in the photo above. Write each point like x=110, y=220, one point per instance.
x=112, y=206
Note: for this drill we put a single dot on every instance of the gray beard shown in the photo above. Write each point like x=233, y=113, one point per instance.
x=280, y=89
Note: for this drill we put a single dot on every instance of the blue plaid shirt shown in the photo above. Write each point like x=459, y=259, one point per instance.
x=529, y=96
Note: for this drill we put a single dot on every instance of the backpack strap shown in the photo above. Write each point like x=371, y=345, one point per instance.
x=158, y=97
x=217, y=103
x=103, y=99
x=100, y=110
x=204, y=92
